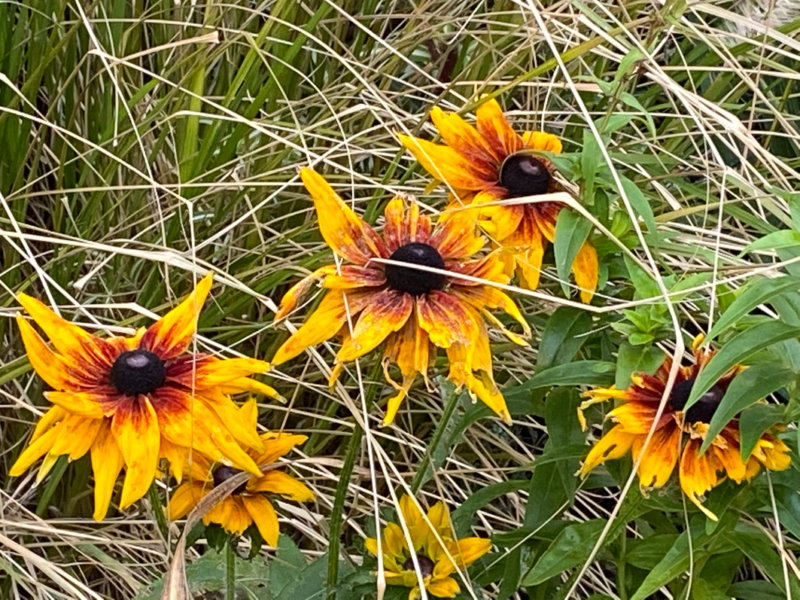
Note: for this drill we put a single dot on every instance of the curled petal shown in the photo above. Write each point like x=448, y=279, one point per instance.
x=107, y=462
x=34, y=452
x=387, y=312
x=699, y=474
x=322, y=324
x=281, y=483
x=585, y=269
x=137, y=434
x=613, y=444
x=464, y=358
x=498, y=220
x=171, y=335
x=446, y=587
x=494, y=128
x=264, y=516
x=447, y=165
x=300, y=289
x=278, y=444
x=344, y=231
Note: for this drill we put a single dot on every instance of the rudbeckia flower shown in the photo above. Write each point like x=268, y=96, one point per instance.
x=413, y=310
x=130, y=401
x=489, y=162
x=679, y=434
x=437, y=554
x=248, y=503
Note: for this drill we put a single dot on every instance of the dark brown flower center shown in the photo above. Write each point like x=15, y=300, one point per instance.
x=425, y=565
x=223, y=472
x=702, y=410
x=137, y=372
x=524, y=175
x=414, y=281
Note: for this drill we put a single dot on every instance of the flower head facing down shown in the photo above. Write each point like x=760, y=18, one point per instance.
x=489, y=162
x=248, y=503
x=413, y=310
x=131, y=401
x=433, y=555
x=679, y=434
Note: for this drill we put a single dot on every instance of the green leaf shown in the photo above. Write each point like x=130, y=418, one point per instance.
x=462, y=516
x=563, y=336
x=754, y=422
x=785, y=238
x=643, y=282
x=580, y=372
x=746, y=388
x=757, y=292
x=570, y=548
x=572, y=230
x=636, y=359
x=645, y=553
x=590, y=158
x=759, y=548
x=737, y=350
x=639, y=203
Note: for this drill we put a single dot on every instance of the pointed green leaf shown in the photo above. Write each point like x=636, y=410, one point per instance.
x=746, y=388
x=737, y=350
x=754, y=422
x=757, y=292
x=572, y=230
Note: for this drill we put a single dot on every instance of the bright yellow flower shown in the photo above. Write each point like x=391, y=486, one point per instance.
x=412, y=310
x=490, y=162
x=438, y=554
x=247, y=504
x=131, y=401
x=697, y=474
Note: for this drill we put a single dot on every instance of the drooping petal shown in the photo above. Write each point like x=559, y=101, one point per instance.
x=482, y=387
x=322, y=325
x=185, y=498
x=494, y=128
x=445, y=319
x=660, y=456
x=35, y=450
x=76, y=434
x=344, y=231
x=238, y=517
x=67, y=338
x=387, y=312
x=171, y=335
x=278, y=482
x=498, y=220
x=137, y=434
x=773, y=453
x=85, y=404
x=446, y=587
x=613, y=444
x=300, y=289
x=465, y=139
x=699, y=474
x=487, y=297
x=264, y=516
x=107, y=462
x=447, y=165
x=585, y=268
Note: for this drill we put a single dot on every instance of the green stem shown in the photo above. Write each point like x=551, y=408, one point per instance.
x=158, y=511
x=230, y=569
x=337, y=512
x=421, y=475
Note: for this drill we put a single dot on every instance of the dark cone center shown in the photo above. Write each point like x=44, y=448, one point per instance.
x=524, y=175
x=414, y=281
x=425, y=565
x=137, y=372
x=223, y=472
x=701, y=411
